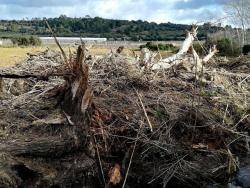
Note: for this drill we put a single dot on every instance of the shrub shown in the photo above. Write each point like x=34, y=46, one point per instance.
x=226, y=46
x=26, y=41
x=154, y=47
x=246, y=49
x=35, y=41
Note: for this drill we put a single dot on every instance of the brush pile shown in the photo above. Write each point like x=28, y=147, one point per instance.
x=109, y=123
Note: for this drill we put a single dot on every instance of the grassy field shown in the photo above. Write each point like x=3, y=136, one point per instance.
x=12, y=55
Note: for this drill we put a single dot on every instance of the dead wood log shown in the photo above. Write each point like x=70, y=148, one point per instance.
x=198, y=63
x=187, y=46
x=177, y=58
x=212, y=52
x=146, y=57
x=26, y=172
x=8, y=73
x=41, y=147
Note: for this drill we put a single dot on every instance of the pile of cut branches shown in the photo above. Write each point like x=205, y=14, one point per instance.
x=117, y=122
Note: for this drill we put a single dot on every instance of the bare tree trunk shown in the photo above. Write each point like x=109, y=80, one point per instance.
x=177, y=58
x=180, y=56
x=77, y=95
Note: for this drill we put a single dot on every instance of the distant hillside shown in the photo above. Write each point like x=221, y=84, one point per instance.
x=99, y=27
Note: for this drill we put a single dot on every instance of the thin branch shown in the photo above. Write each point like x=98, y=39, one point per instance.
x=145, y=112
x=99, y=159
x=132, y=154
x=57, y=42
x=37, y=76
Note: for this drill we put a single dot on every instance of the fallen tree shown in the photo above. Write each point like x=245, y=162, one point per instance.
x=181, y=57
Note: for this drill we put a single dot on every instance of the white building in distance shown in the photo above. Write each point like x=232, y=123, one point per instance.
x=5, y=42
x=71, y=40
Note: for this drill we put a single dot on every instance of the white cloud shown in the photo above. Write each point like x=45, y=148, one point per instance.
x=151, y=10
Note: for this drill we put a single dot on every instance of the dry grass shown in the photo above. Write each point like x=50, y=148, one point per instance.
x=12, y=55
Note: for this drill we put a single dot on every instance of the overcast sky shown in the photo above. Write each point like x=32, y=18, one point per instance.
x=177, y=11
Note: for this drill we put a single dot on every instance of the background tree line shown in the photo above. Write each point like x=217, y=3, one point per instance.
x=98, y=27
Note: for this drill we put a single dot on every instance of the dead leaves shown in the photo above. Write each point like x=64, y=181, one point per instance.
x=199, y=146
x=115, y=176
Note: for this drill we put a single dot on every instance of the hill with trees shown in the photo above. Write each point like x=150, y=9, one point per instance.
x=98, y=27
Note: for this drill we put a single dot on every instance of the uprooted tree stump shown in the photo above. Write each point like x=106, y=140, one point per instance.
x=44, y=159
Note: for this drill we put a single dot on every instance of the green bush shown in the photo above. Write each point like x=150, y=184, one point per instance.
x=225, y=46
x=246, y=49
x=35, y=41
x=26, y=41
x=154, y=47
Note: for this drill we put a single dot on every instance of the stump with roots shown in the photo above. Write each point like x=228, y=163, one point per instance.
x=34, y=156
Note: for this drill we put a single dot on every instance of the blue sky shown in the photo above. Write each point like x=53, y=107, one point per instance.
x=177, y=11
